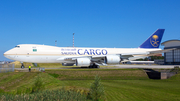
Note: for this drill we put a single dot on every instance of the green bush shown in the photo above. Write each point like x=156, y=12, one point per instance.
x=1, y=91
x=38, y=85
x=96, y=92
x=47, y=95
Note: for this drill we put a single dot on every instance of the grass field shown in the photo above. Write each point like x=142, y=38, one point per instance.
x=119, y=84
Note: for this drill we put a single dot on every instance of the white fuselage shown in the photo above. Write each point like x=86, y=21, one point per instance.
x=50, y=54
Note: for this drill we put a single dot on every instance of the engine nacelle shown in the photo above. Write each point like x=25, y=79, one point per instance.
x=112, y=59
x=83, y=62
x=68, y=64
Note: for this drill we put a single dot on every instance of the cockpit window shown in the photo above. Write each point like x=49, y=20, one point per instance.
x=17, y=46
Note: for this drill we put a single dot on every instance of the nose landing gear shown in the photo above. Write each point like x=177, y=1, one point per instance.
x=22, y=65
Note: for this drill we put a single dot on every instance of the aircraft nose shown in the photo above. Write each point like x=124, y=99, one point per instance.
x=6, y=53
x=10, y=54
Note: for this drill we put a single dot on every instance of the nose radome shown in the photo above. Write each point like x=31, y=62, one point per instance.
x=6, y=53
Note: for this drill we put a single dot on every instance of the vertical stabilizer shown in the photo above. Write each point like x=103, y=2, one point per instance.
x=154, y=40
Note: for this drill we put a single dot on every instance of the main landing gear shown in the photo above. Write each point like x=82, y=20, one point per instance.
x=94, y=66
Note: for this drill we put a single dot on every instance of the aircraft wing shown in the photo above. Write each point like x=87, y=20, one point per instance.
x=138, y=56
x=132, y=58
x=154, y=52
x=162, y=51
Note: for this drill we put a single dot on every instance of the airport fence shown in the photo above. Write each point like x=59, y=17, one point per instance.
x=6, y=68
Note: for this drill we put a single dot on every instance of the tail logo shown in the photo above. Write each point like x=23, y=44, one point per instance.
x=154, y=41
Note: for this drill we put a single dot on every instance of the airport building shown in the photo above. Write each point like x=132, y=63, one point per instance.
x=172, y=57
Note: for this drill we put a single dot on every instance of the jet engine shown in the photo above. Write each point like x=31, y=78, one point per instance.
x=83, y=62
x=68, y=64
x=112, y=59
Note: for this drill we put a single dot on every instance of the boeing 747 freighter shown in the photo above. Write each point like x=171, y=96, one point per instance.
x=84, y=57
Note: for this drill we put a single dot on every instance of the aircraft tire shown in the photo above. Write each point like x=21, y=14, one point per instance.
x=97, y=66
x=22, y=66
x=94, y=66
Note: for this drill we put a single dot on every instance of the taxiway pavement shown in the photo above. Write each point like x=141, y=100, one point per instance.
x=113, y=67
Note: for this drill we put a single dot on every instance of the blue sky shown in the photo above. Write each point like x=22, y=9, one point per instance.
x=96, y=23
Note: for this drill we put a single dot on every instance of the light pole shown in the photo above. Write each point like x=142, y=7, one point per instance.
x=73, y=40
x=56, y=43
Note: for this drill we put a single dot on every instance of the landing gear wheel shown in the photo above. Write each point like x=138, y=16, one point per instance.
x=22, y=66
x=97, y=66
x=94, y=66
x=90, y=66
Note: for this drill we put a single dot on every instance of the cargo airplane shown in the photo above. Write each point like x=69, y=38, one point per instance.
x=84, y=57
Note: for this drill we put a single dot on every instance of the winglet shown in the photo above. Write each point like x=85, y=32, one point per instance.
x=154, y=40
